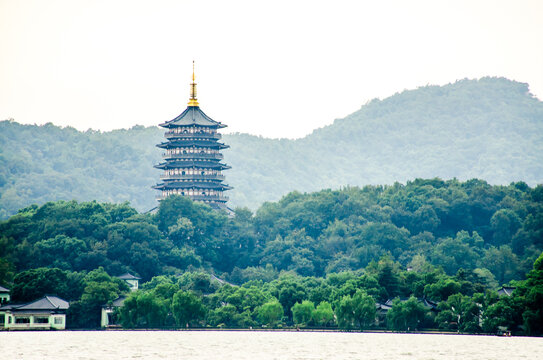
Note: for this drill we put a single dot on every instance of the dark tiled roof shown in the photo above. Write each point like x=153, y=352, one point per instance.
x=389, y=302
x=196, y=143
x=192, y=184
x=221, y=281
x=46, y=303
x=118, y=302
x=425, y=302
x=192, y=163
x=222, y=206
x=10, y=306
x=506, y=290
x=428, y=304
x=192, y=115
x=128, y=276
x=380, y=306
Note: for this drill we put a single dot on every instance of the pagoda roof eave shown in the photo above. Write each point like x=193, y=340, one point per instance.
x=192, y=115
x=197, y=164
x=200, y=143
x=169, y=126
x=192, y=184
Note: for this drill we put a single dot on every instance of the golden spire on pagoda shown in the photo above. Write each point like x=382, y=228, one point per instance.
x=193, y=101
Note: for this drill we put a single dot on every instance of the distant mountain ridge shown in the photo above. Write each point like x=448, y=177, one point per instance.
x=491, y=128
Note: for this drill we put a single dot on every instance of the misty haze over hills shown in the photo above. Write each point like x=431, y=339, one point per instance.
x=490, y=129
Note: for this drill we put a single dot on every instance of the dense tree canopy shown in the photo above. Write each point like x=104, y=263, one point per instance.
x=307, y=234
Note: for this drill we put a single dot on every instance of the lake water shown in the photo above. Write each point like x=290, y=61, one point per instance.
x=82, y=345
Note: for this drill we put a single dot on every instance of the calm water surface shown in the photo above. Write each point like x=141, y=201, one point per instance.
x=82, y=345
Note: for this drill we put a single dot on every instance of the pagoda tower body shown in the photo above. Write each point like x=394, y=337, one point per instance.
x=192, y=159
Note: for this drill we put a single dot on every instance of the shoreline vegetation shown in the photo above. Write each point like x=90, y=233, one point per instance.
x=430, y=254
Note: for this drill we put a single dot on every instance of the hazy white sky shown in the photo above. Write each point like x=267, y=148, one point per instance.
x=274, y=68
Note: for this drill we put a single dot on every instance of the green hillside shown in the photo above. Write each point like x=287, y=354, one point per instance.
x=449, y=224
x=448, y=241
x=490, y=128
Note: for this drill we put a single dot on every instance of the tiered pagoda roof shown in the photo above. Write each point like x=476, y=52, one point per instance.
x=174, y=164
x=192, y=143
x=192, y=164
x=192, y=115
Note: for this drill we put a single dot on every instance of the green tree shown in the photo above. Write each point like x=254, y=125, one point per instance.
x=386, y=235
x=270, y=313
x=289, y=293
x=504, y=313
x=388, y=278
x=6, y=271
x=187, y=308
x=505, y=224
x=32, y=284
x=453, y=254
x=531, y=291
x=364, y=309
x=181, y=232
x=247, y=298
x=442, y=289
x=61, y=251
x=198, y=282
x=228, y=316
x=405, y=315
x=144, y=309
x=302, y=313
x=461, y=310
x=358, y=311
x=323, y=315
x=502, y=262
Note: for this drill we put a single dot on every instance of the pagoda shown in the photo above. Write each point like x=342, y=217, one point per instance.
x=192, y=159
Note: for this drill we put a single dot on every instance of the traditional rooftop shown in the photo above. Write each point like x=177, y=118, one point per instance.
x=47, y=302
x=192, y=163
x=187, y=143
x=506, y=291
x=192, y=115
x=128, y=276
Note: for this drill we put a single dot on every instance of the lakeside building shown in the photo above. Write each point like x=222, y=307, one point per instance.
x=47, y=313
x=131, y=280
x=192, y=165
x=108, y=318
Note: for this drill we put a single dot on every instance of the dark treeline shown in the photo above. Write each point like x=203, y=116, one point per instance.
x=496, y=231
x=491, y=128
x=447, y=241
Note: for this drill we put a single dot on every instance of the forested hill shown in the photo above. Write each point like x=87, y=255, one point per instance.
x=490, y=128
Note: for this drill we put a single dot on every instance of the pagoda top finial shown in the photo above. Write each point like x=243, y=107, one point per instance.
x=193, y=101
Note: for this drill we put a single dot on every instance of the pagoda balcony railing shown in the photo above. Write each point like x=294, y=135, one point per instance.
x=188, y=135
x=217, y=198
x=192, y=177
x=215, y=156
